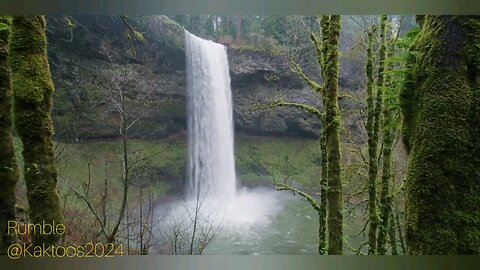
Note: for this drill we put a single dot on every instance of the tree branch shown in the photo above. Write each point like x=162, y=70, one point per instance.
x=89, y=205
x=310, y=199
x=297, y=68
x=280, y=103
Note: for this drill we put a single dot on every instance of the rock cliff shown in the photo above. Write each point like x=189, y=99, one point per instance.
x=92, y=57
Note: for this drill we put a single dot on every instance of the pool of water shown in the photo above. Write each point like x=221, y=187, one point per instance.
x=291, y=229
x=259, y=221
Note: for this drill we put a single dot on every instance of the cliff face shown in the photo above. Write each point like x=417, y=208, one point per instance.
x=152, y=75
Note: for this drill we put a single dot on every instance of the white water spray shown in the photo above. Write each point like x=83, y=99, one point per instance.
x=213, y=201
x=212, y=197
x=211, y=164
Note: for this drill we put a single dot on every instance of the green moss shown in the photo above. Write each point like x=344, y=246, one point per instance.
x=334, y=191
x=372, y=135
x=388, y=123
x=162, y=28
x=442, y=204
x=8, y=163
x=407, y=99
x=32, y=91
x=29, y=36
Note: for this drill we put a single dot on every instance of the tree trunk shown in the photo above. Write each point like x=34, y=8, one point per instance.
x=373, y=132
x=385, y=196
x=334, y=192
x=441, y=108
x=238, y=29
x=389, y=136
x=322, y=213
x=372, y=160
x=32, y=92
x=392, y=233
x=322, y=54
x=8, y=163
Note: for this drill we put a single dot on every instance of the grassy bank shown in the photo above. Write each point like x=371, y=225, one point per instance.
x=94, y=169
x=162, y=163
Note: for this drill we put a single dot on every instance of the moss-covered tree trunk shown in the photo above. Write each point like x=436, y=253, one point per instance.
x=385, y=208
x=372, y=161
x=441, y=108
x=392, y=233
x=32, y=92
x=374, y=109
x=322, y=213
x=331, y=202
x=332, y=122
x=8, y=164
x=322, y=53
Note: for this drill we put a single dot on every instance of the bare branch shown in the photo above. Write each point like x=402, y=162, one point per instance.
x=362, y=26
x=310, y=199
x=88, y=203
x=297, y=69
x=280, y=103
x=357, y=251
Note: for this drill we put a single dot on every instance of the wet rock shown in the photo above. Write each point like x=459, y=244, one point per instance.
x=152, y=73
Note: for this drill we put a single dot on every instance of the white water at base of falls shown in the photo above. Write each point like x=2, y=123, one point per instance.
x=211, y=162
x=212, y=199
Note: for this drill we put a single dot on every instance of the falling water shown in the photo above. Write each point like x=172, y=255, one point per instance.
x=211, y=166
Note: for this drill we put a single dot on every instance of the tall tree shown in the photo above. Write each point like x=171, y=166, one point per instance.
x=374, y=109
x=32, y=93
x=8, y=164
x=441, y=108
x=330, y=208
x=372, y=161
x=332, y=122
x=322, y=51
x=389, y=119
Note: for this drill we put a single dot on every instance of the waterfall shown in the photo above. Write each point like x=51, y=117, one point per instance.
x=212, y=202
x=211, y=163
